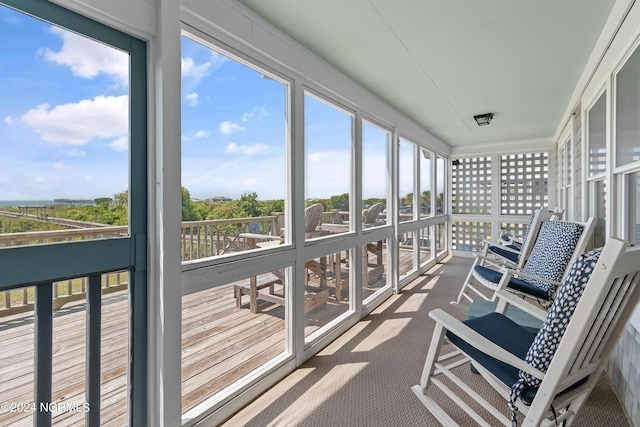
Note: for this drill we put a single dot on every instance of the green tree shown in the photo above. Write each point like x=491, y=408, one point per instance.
x=340, y=202
x=249, y=204
x=103, y=202
x=188, y=207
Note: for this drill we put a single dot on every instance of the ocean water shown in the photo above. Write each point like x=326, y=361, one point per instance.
x=26, y=202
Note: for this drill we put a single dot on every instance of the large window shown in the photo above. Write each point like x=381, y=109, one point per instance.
x=65, y=126
x=426, y=184
x=441, y=185
x=633, y=207
x=73, y=180
x=375, y=181
x=328, y=139
x=234, y=187
x=628, y=111
x=234, y=166
x=406, y=180
x=597, y=132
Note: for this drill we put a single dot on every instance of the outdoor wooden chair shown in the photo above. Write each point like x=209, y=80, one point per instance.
x=370, y=215
x=556, y=247
x=514, y=250
x=516, y=241
x=316, y=295
x=544, y=378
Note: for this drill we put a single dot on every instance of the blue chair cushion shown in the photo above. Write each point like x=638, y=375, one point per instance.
x=523, y=286
x=489, y=274
x=511, y=256
x=502, y=331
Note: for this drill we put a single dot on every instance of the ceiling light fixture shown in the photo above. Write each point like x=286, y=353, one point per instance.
x=483, y=119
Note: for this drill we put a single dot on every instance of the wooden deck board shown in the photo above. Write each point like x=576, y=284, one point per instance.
x=220, y=344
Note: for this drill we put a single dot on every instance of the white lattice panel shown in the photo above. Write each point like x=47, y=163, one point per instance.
x=468, y=235
x=471, y=185
x=524, y=181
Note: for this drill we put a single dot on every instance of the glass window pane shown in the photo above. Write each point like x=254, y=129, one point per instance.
x=424, y=244
x=633, y=196
x=230, y=330
x=441, y=183
x=234, y=124
x=426, y=188
x=64, y=114
x=326, y=290
x=406, y=259
x=569, y=161
x=328, y=133
x=597, y=134
x=374, y=268
x=600, y=195
x=628, y=111
x=375, y=148
x=406, y=179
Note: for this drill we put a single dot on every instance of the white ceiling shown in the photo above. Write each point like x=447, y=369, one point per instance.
x=440, y=62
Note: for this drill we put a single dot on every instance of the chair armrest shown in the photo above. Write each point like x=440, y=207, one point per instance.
x=505, y=298
x=481, y=343
x=509, y=272
x=495, y=262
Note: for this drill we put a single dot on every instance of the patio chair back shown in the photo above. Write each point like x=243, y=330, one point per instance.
x=312, y=217
x=370, y=214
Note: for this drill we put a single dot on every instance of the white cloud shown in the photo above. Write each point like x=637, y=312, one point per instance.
x=120, y=144
x=259, y=113
x=191, y=69
x=103, y=117
x=192, y=99
x=60, y=166
x=227, y=127
x=74, y=152
x=8, y=120
x=201, y=134
x=87, y=58
x=246, y=149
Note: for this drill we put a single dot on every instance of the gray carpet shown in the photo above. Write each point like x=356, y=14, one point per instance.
x=364, y=377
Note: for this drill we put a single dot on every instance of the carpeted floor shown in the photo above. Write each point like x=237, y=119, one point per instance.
x=364, y=377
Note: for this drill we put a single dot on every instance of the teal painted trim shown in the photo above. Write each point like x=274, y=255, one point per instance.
x=28, y=265
x=92, y=348
x=43, y=353
x=138, y=327
x=57, y=15
x=138, y=202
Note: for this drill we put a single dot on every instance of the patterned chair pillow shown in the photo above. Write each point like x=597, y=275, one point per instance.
x=548, y=338
x=552, y=252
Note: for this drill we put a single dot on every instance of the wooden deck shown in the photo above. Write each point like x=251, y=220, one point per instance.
x=220, y=344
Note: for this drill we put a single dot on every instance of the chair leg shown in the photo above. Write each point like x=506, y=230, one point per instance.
x=434, y=351
x=466, y=286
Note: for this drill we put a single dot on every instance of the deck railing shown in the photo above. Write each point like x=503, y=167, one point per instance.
x=200, y=239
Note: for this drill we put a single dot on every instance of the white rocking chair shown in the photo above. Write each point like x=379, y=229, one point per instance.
x=547, y=377
x=557, y=245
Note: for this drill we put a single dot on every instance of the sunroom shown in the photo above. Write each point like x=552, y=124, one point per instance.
x=281, y=169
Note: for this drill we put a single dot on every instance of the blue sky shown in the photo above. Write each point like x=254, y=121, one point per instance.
x=64, y=121
x=63, y=113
